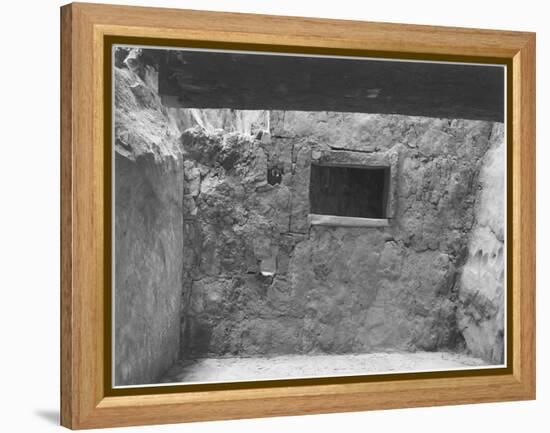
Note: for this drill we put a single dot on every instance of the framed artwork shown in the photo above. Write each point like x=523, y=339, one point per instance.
x=267, y=216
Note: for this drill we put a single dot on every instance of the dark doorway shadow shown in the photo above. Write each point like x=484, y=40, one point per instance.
x=49, y=415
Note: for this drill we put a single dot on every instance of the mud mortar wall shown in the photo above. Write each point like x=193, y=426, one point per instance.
x=261, y=280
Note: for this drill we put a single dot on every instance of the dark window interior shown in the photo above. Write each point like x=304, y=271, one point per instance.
x=275, y=175
x=348, y=191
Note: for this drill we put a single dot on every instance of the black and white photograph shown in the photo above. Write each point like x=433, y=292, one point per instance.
x=290, y=216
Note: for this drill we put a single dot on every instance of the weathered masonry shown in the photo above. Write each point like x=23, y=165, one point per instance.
x=331, y=223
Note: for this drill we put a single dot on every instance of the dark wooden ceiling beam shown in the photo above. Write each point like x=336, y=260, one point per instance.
x=198, y=79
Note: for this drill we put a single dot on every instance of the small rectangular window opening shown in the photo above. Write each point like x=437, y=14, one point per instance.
x=349, y=191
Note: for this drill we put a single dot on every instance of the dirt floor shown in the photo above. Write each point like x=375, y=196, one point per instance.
x=299, y=366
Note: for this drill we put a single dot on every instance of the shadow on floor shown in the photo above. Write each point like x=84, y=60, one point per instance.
x=49, y=415
x=179, y=370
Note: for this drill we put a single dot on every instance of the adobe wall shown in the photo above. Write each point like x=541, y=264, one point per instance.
x=148, y=236
x=333, y=289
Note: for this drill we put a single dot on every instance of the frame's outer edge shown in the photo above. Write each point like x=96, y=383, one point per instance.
x=66, y=376
x=525, y=143
x=307, y=31
x=83, y=403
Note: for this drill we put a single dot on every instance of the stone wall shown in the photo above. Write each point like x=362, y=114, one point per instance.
x=262, y=281
x=213, y=260
x=148, y=188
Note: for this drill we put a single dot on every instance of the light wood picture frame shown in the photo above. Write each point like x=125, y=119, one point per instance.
x=88, y=399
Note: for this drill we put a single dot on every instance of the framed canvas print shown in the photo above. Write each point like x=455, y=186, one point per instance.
x=269, y=216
